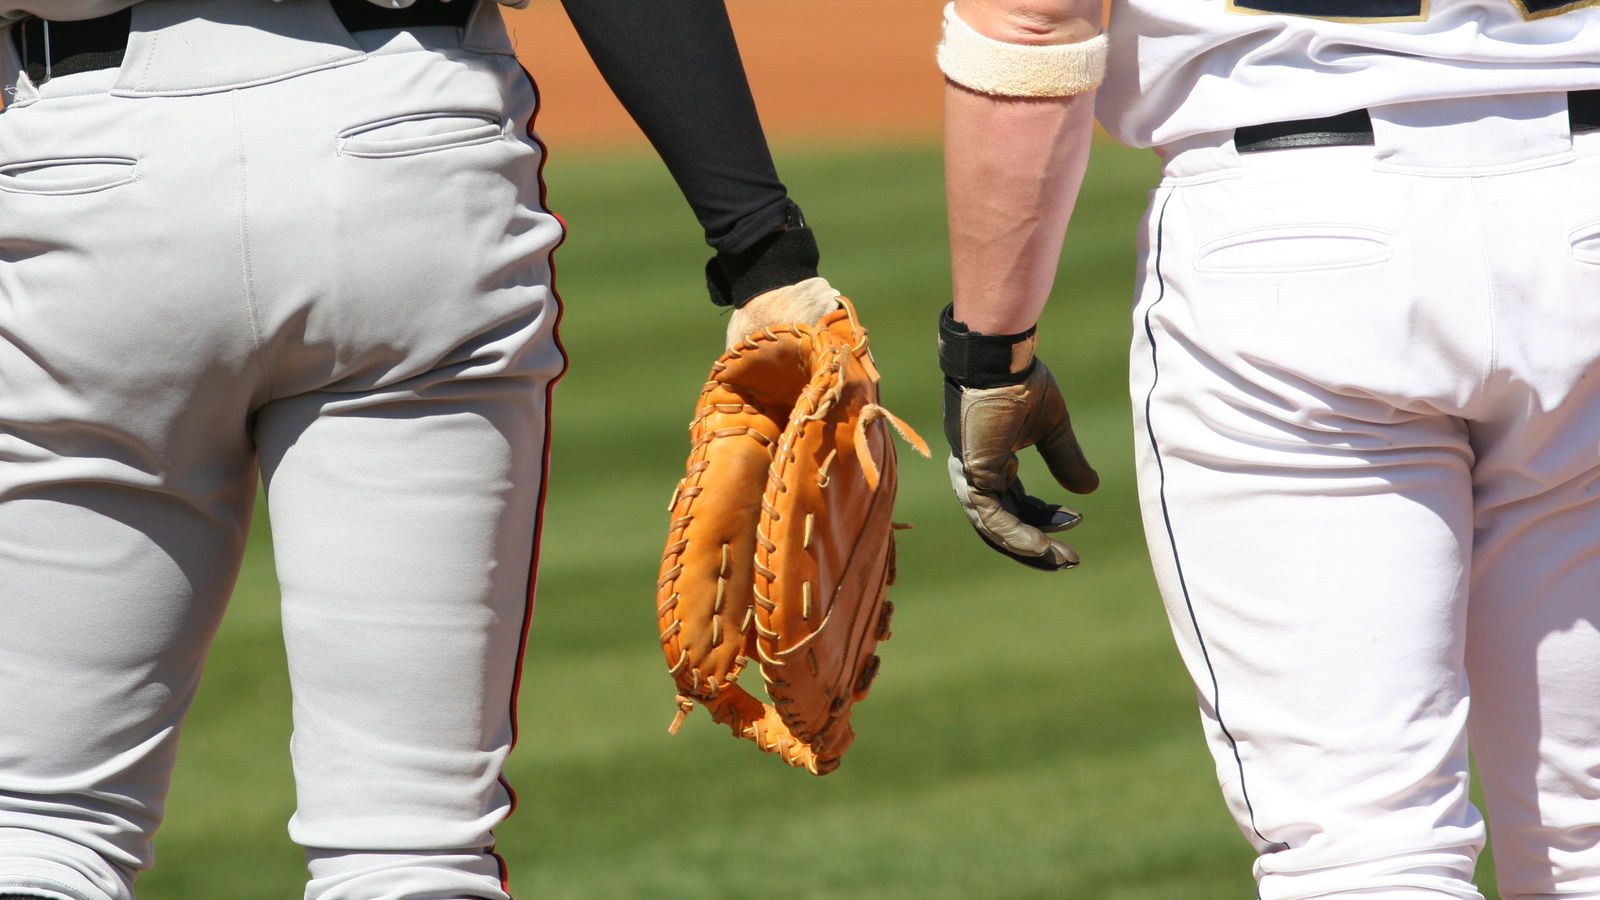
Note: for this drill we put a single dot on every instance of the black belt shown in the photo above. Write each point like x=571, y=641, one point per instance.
x=1355, y=128
x=53, y=49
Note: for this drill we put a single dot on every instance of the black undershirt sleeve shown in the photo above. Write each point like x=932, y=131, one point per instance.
x=675, y=66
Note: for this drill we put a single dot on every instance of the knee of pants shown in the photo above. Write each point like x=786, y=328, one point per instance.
x=33, y=863
x=364, y=875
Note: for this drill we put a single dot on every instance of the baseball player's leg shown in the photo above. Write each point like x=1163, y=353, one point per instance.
x=404, y=520
x=1535, y=721
x=1534, y=632
x=1309, y=513
x=113, y=590
x=126, y=472
x=413, y=338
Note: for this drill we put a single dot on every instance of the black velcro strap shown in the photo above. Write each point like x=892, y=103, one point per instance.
x=777, y=260
x=978, y=360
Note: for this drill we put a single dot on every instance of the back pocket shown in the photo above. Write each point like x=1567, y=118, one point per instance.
x=419, y=133
x=67, y=176
x=1294, y=248
x=1586, y=244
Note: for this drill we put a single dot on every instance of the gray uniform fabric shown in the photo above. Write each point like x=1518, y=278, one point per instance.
x=62, y=10
x=268, y=242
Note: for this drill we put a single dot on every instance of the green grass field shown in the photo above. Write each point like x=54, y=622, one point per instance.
x=1031, y=735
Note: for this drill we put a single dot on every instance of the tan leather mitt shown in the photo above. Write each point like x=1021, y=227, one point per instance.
x=781, y=543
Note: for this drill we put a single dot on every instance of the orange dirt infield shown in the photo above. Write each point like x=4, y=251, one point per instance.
x=823, y=69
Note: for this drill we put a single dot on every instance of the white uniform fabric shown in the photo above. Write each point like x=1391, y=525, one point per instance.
x=1366, y=384
x=1179, y=68
x=341, y=276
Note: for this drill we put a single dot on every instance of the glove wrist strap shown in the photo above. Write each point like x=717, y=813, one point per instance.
x=974, y=360
x=784, y=257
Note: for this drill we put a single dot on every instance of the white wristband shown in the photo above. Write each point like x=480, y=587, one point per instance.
x=988, y=66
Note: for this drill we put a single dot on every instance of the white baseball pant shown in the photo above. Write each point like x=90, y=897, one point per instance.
x=1366, y=384
x=265, y=241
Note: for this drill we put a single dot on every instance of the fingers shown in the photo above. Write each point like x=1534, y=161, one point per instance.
x=1066, y=461
x=1044, y=516
x=986, y=427
x=1014, y=523
x=1055, y=439
x=1057, y=558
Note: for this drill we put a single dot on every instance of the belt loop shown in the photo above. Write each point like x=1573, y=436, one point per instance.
x=485, y=31
x=1199, y=156
x=19, y=87
x=1470, y=135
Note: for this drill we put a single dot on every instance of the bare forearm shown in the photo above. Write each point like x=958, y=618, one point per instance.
x=1013, y=167
x=1012, y=171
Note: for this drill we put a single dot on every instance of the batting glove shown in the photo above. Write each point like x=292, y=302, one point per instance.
x=999, y=399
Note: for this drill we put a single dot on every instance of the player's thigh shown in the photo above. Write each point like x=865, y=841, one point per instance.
x=1309, y=513
x=1535, y=636
x=1534, y=630
x=126, y=471
x=1318, y=599
x=404, y=519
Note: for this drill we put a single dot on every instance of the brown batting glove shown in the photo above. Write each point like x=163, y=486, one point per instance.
x=999, y=399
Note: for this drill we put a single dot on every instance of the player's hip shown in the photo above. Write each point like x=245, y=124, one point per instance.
x=188, y=47
x=1428, y=289
x=1466, y=136
x=384, y=213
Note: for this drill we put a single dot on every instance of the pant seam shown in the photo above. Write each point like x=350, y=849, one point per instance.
x=247, y=263
x=1166, y=516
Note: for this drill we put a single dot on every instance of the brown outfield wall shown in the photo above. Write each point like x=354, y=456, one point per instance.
x=821, y=70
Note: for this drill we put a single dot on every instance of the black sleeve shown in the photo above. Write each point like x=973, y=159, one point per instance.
x=676, y=68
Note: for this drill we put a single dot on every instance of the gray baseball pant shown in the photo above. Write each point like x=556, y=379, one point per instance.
x=267, y=242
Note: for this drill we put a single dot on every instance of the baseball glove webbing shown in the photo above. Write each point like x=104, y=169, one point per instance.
x=780, y=548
